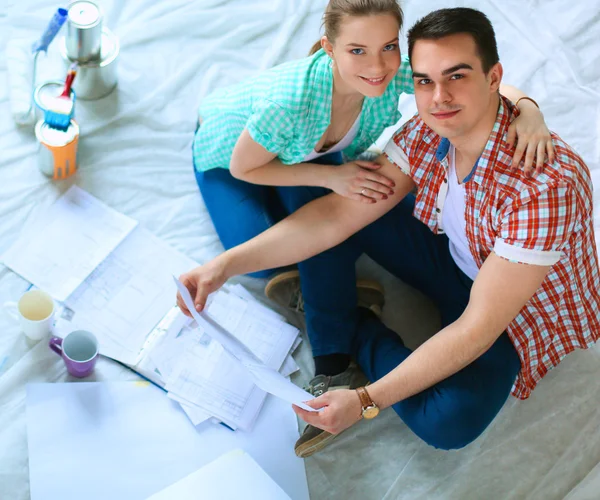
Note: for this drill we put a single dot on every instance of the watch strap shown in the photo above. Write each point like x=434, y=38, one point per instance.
x=365, y=399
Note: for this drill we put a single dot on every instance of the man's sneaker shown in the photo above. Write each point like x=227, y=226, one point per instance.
x=284, y=289
x=314, y=439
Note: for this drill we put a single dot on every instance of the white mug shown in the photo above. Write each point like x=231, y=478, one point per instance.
x=35, y=312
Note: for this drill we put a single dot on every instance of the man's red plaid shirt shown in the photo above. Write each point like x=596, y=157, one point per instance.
x=543, y=220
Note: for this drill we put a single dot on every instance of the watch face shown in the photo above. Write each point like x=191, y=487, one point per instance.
x=370, y=412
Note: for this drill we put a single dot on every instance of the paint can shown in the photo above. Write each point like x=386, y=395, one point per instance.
x=96, y=79
x=45, y=93
x=84, y=31
x=57, y=154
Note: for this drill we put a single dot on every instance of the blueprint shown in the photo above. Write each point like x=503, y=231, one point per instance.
x=127, y=295
x=64, y=246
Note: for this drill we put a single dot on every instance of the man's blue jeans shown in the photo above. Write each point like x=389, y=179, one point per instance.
x=452, y=413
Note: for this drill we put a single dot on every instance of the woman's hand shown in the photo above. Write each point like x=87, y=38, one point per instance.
x=341, y=409
x=358, y=181
x=201, y=281
x=533, y=138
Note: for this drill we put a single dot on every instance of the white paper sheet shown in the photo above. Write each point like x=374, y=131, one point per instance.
x=210, y=378
x=274, y=383
x=266, y=378
x=138, y=441
x=166, y=352
x=75, y=234
x=289, y=366
x=242, y=292
x=207, y=376
x=126, y=296
x=205, y=380
x=196, y=414
x=268, y=336
x=232, y=476
x=233, y=346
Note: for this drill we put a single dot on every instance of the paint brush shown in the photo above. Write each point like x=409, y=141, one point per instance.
x=60, y=110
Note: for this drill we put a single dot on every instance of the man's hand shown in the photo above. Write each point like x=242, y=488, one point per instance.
x=201, y=281
x=341, y=409
x=359, y=181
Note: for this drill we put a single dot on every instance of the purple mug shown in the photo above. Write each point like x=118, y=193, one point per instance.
x=79, y=350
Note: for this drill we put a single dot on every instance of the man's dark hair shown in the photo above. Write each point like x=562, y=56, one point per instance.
x=445, y=22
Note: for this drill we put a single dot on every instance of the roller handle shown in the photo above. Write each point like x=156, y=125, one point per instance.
x=58, y=19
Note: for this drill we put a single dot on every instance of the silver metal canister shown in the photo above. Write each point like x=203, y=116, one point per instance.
x=96, y=79
x=84, y=31
x=57, y=155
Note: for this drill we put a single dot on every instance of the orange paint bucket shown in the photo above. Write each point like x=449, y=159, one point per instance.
x=57, y=155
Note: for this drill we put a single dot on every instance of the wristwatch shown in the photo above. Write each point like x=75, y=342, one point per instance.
x=369, y=409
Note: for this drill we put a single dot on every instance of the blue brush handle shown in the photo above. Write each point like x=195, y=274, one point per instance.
x=58, y=19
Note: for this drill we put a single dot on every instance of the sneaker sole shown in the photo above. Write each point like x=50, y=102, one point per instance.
x=366, y=284
x=315, y=445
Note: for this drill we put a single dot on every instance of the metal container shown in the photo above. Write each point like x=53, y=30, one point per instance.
x=44, y=94
x=84, y=32
x=57, y=154
x=96, y=79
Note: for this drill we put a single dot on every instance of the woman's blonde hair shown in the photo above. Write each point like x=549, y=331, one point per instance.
x=337, y=9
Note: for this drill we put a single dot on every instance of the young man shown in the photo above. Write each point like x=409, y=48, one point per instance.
x=509, y=259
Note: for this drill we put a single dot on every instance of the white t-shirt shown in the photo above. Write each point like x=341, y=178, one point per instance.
x=451, y=218
x=454, y=221
x=340, y=146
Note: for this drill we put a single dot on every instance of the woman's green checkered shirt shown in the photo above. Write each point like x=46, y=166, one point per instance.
x=286, y=110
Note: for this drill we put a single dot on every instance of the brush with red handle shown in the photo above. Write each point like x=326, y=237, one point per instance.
x=60, y=111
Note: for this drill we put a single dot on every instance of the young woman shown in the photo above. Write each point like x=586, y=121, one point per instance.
x=269, y=145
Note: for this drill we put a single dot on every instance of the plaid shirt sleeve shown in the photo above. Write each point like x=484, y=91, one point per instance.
x=271, y=126
x=538, y=229
x=403, y=148
x=397, y=156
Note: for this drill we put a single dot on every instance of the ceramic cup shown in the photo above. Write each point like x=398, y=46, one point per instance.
x=79, y=351
x=35, y=313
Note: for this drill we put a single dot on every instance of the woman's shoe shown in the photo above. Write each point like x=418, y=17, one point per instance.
x=284, y=289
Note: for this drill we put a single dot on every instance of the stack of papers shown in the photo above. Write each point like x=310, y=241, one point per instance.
x=252, y=366
x=114, y=278
x=200, y=374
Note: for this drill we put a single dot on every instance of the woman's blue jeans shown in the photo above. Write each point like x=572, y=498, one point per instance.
x=240, y=210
